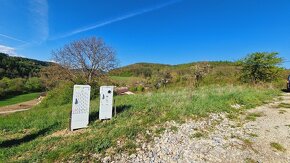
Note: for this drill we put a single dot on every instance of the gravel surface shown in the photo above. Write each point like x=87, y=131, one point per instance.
x=220, y=139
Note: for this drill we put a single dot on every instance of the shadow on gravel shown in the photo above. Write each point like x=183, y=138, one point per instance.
x=285, y=90
x=26, y=138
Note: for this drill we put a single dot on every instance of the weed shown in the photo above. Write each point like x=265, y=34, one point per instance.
x=253, y=135
x=250, y=160
x=277, y=146
x=174, y=128
x=284, y=105
x=232, y=116
x=248, y=144
x=198, y=135
x=282, y=111
x=253, y=116
x=160, y=130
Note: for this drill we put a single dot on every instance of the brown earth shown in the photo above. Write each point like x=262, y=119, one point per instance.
x=20, y=106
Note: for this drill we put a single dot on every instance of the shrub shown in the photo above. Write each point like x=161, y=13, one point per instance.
x=140, y=88
x=33, y=84
x=133, y=89
x=261, y=67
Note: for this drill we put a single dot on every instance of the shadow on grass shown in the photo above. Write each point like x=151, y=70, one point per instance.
x=93, y=116
x=26, y=138
x=119, y=109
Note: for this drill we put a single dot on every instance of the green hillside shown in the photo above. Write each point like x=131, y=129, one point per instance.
x=13, y=67
x=218, y=72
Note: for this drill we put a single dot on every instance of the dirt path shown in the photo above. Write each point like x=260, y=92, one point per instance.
x=20, y=106
x=260, y=135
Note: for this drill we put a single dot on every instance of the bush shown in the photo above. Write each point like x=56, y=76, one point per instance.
x=133, y=89
x=261, y=67
x=140, y=88
x=33, y=84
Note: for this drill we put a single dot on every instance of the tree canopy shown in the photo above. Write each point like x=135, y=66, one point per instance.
x=261, y=67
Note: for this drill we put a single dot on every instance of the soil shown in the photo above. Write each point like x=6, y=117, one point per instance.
x=20, y=106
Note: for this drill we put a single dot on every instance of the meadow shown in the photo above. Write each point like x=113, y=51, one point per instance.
x=18, y=99
x=40, y=134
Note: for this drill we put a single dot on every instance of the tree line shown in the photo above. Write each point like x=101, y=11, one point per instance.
x=18, y=67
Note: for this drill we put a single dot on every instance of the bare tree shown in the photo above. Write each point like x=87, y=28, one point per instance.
x=200, y=70
x=86, y=58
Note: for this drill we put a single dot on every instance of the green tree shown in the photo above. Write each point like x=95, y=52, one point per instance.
x=33, y=84
x=261, y=67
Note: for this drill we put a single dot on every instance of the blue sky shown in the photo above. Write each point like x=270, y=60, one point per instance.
x=160, y=31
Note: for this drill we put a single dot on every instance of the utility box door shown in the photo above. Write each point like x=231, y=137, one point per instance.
x=80, y=106
x=106, y=102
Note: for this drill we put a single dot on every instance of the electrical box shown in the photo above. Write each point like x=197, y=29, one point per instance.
x=80, y=107
x=106, y=102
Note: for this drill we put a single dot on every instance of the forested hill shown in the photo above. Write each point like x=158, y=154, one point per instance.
x=147, y=69
x=13, y=67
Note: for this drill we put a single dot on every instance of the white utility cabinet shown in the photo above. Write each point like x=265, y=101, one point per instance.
x=80, y=107
x=106, y=102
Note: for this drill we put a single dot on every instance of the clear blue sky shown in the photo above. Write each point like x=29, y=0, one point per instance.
x=161, y=31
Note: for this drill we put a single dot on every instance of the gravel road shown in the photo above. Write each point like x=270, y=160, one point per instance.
x=260, y=135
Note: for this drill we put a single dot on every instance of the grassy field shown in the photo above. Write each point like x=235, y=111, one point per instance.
x=35, y=135
x=18, y=99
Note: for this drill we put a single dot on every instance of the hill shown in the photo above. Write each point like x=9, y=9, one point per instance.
x=146, y=69
x=13, y=67
x=214, y=72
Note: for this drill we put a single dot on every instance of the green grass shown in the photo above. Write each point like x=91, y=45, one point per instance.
x=18, y=99
x=25, y=136
x=277, y=146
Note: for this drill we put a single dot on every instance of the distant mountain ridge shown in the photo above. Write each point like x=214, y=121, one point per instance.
x=13, y=67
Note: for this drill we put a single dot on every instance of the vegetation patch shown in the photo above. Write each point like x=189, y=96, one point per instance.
x=253, y=135
x=250, y=160
x=282, y=111
x=173, y=128
x=284, y=105
x=253, y=116
x=198, y=135
x=277, y=146
x=248, y=144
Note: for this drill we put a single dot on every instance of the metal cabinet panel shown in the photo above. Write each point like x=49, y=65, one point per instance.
x=80, y=106
x=106, y=102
